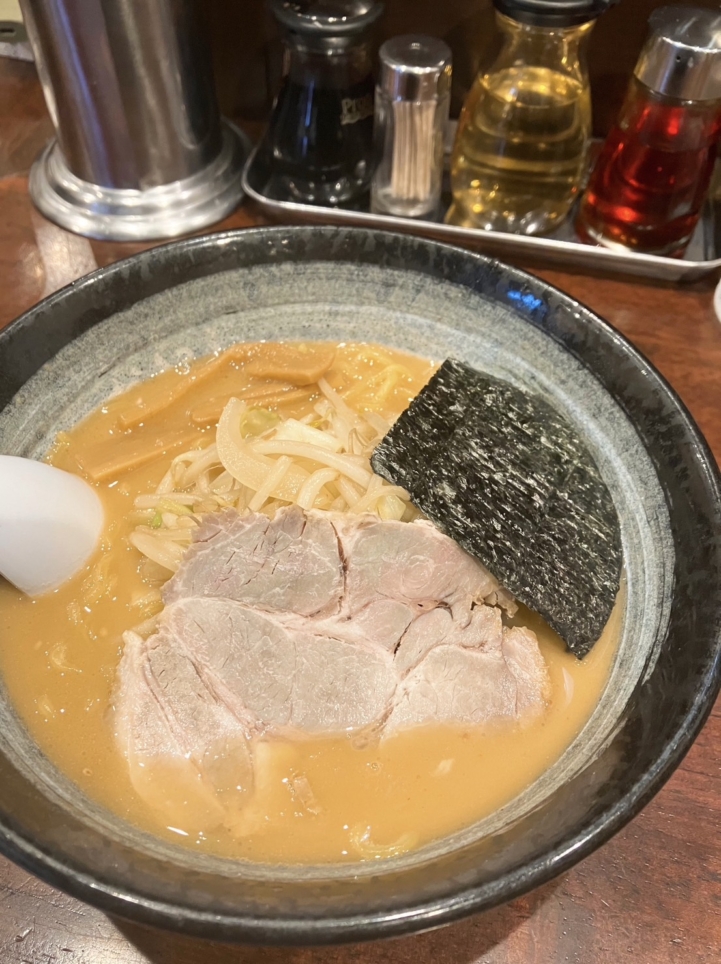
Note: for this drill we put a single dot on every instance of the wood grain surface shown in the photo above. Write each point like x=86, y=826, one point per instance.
x=652, y=895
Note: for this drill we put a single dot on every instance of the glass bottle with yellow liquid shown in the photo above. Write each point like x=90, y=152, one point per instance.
x=521, y=148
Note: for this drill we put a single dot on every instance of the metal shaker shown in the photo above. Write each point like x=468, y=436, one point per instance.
x=141, y=151
x=411, y=114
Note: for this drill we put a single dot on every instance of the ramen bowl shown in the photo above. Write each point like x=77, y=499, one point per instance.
x=125, y=322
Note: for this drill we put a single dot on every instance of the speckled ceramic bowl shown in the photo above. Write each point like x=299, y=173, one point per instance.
x=186, y=299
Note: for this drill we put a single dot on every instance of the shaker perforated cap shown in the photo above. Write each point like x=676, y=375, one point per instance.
x=415, y=67
x=553, y=13
x=682, y=56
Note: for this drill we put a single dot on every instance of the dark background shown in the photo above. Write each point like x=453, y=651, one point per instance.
x=246, y=51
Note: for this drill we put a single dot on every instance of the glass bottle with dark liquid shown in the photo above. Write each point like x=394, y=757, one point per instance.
x=318, y=147
x=652, y=175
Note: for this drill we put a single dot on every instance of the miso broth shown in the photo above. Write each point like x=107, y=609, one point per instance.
x=370, y=799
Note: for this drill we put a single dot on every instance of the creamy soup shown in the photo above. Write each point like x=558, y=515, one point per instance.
x=335, y=798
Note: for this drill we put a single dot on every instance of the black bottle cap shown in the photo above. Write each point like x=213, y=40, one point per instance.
x=326, y=18
x=553, y=13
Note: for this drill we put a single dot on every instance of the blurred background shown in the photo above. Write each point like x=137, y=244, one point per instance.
x=246, y=50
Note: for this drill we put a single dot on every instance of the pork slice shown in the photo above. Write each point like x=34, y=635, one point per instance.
x=524, y=660
x=414, y=564
x=289, y=564
x=381, y=622
x=142, y=727
x=280, y=671
x=485, y=629
x=504, y=677
x=187, y=754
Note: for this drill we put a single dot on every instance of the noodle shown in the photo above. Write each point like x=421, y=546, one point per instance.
x=311, y=489
x=260, y=461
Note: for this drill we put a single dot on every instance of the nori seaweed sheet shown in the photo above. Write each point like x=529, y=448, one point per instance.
x=507, y=477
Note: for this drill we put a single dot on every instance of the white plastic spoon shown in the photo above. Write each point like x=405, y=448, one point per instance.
x=50, y=524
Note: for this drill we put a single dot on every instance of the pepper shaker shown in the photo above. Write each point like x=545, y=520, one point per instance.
x=411, y=114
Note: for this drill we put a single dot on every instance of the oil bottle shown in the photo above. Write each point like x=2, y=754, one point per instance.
x=653, y=173
x=520, y=151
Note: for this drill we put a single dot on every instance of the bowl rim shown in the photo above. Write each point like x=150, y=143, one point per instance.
x=139, y=906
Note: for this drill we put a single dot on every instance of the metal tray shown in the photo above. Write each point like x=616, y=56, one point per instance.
x=563, y=248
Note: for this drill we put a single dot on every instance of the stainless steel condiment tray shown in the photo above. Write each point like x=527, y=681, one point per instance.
x=563, y=248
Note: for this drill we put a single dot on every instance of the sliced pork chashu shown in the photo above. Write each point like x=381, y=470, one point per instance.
x=291, y=564
x=315, y=623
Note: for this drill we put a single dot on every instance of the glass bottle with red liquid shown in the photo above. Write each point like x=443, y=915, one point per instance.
x=650, y=180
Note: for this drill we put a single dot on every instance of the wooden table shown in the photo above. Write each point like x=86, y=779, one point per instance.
x=650, y=896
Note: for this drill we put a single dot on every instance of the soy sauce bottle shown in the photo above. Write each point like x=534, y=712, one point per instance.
x=318, y=147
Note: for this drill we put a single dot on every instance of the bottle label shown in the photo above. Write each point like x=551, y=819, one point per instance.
x=354, y=109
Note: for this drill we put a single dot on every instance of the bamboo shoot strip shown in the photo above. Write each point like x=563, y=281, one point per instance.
x=210, y=411
x=508, y=478
x=122, y=453
x=158, y=395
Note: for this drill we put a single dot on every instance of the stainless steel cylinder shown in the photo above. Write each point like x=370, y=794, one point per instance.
x=141, y=151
